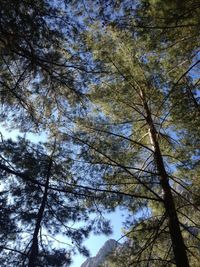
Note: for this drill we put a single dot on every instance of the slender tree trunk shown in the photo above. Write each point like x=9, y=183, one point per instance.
x=178, y=245
x=34, y=247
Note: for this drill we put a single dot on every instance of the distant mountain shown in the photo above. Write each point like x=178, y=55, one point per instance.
x=100, y=258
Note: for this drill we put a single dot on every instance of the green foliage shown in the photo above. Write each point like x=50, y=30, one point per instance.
x=114, y=85
x=142, y=74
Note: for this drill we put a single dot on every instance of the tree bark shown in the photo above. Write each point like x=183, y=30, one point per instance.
x=178, y=245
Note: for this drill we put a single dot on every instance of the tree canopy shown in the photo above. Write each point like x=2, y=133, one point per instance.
x=114, y=88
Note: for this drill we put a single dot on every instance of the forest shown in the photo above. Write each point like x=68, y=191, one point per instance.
x=99, y=110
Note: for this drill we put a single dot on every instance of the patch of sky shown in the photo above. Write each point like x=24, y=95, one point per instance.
x=95, y=242
x=14, y=134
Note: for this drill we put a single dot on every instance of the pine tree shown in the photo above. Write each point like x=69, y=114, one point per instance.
x=135, y=141
x=45, y=207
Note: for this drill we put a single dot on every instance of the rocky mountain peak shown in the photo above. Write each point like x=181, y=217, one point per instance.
x=99, y=259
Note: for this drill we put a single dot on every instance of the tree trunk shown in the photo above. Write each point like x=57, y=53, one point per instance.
x=178, y=245
x=34, y=247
